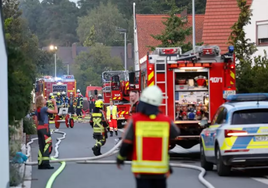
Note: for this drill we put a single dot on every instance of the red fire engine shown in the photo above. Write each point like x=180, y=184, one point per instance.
x=49, y=84
x=116, y=87
x=194, y=85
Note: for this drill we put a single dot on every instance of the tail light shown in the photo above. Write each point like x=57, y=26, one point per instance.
x=230, y=133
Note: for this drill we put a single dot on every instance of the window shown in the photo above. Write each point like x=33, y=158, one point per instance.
x=252, y=116
x=262, y=33
x=220, y=116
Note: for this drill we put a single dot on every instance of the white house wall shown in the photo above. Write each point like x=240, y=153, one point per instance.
x=260, y=13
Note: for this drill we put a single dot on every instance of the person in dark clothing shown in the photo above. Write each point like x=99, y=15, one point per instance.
x=146, y=139
x=100, y=126
x=134, y=100
x=43, y=131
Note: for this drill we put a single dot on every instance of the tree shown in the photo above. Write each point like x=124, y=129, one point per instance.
x=105, y=18
x=90, y=65
x=91, y=38
x=175, y=32
x=243, y=48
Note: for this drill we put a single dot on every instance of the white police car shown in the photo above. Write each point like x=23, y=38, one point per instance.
x=238, y=134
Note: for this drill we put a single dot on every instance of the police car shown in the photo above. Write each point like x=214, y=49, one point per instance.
x=237, y=135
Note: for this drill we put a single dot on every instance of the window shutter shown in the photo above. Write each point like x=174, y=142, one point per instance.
x=262, y=31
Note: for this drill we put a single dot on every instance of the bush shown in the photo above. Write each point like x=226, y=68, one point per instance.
x=29, y=126
x=15, y=177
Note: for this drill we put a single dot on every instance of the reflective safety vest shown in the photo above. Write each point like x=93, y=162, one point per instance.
x=50, y=104
x=98, y=128
x=114, y=112
x=150, y=155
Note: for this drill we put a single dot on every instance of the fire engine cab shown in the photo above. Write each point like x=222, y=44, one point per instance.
x=194, y=85
x=48, y=84
x=116, y=87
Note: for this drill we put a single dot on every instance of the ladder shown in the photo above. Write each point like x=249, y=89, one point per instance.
x=162, y=84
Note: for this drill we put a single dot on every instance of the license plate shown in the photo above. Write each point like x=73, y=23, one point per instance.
x=226, y=93
x=261, y=138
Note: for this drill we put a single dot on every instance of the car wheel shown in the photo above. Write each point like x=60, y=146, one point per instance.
x=204, y=164
x=222, y=169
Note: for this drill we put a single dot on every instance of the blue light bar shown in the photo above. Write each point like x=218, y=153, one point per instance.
x=248, y=97
x=231, y=49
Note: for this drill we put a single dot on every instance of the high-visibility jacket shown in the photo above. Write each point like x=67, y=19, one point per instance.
x=153, y=134
x=98, y=123
x=114, y=112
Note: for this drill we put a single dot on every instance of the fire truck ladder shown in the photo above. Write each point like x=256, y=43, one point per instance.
x=163, y=70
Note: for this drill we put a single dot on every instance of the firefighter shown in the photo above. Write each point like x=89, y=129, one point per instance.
x=100, y=97
x=65, y=99
x=59, y=99
x=99, y=125
x=43, y=131
x=150, y=160
x=71, y=104
x=91, y=103
x=111, y=115
x=134, y=100
x=50, y=105
x=79, y=105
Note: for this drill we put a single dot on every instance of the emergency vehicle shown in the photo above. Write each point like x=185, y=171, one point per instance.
x=93, y=91
x=49, y=84
x=116, y=87
x=194, y=85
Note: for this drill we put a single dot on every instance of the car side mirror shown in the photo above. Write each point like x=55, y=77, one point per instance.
x=204, y=123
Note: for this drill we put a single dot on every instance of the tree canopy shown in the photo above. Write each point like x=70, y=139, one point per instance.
x=90, y=65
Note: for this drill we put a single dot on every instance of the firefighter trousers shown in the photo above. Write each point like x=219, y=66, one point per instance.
x=79, y=112
x=113, y=124
x=151, y=183
x=100, y=141
x=45, y=144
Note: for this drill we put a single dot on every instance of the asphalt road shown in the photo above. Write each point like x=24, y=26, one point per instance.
x=78, y=143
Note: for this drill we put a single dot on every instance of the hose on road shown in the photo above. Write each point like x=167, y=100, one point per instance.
x=93, y=160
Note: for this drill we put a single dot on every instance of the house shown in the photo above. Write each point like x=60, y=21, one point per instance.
x=152, y=24
x=219, y=18
x=68, y=54
x=257, y=31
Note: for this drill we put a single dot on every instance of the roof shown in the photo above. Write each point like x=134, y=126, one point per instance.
x=246, y=105
x=219, y=18
x=148, y=24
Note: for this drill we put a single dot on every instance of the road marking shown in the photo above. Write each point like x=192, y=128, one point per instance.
x=262, y=180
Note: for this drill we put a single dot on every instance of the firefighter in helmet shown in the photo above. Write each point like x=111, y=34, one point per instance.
x=59, y=103
x=150, y=165
x=112, y=115
x=71, y=104
x=79, y=105
x=65, y=99
x=100, y=126
x=50, y=105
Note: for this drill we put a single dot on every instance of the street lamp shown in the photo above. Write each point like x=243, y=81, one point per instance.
x=54, y=48
x=124, y=31
x=193, y=21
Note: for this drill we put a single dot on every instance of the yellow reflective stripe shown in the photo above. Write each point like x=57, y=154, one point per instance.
x=150, y=170
x=127, y=84
x=228, y=143
x=231, y=82
x=120, y=157
x=205, y=147
x=214, y=126
x=232, y=74
x=48, y=139
x=150, y=76
x=46, y=147
x=152, y=83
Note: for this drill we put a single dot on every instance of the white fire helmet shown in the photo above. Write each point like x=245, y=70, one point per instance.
x=78, y=91
x=71, y=93
x=63, y=93
x=152, y=95
x=99, y=95
x=50, y=94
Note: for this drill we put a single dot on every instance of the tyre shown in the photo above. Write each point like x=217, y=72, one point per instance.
x=71, y=123
x=67, y=120
x=204, y=163
x=222, y=169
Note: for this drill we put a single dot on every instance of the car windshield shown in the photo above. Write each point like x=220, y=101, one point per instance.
x=252, y=116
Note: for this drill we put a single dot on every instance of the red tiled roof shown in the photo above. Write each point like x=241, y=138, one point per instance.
x=219, y=18
x=152, y=24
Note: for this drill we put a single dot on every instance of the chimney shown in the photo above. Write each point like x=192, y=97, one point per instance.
x=184, y=15
x=73, y=50
x=129, y=51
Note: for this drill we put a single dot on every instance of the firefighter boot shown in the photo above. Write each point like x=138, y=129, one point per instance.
x=96, y=150
x=116, y=134
x=111, y=133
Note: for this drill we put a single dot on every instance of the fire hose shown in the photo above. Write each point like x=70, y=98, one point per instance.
x=93, y=160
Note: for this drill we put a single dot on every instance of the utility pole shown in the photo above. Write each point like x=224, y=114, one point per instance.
x=193, y=20
x=136, y=49
x=125, y=38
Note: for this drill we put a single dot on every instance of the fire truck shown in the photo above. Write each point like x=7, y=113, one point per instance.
x=194, y=85
x=49, y=84
x=116, y=87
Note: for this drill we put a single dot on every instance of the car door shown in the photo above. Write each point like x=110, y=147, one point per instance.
x=218, y=120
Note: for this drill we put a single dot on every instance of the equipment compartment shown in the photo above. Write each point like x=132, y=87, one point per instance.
x=191, y=96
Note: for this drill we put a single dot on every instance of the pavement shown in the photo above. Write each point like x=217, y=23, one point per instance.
x=78, y=143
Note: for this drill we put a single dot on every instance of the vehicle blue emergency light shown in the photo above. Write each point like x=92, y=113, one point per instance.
x=247, y=97
x=231, y=49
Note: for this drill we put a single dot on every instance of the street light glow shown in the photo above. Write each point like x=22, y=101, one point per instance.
x=52, y=47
